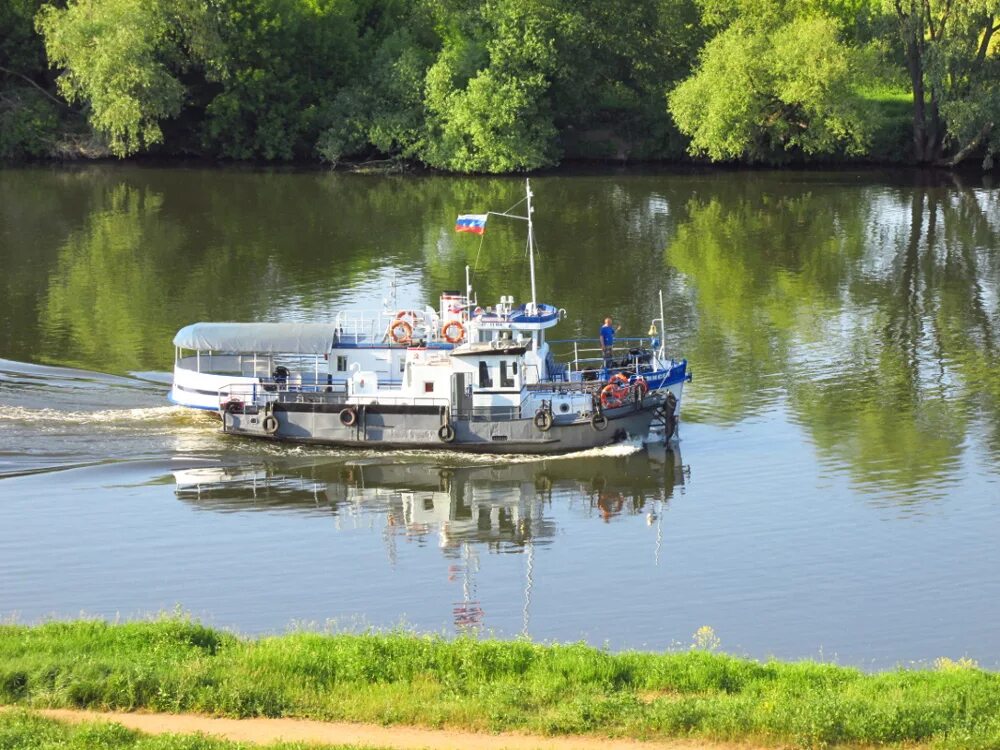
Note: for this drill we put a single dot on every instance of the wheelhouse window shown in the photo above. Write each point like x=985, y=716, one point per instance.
x=507, y=379
x=485, y=381
x=341, y=363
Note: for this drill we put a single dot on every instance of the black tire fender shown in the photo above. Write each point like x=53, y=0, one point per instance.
x=446, y=432
x=270, y=424
x=543, y=420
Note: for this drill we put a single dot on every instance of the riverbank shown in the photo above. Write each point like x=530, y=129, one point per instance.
x=396, y=678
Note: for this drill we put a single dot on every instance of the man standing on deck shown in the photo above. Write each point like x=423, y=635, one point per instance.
x=608, y=340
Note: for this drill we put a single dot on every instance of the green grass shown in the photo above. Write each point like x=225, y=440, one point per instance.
x=892, y=139
x=21, y=730
x=176, y=665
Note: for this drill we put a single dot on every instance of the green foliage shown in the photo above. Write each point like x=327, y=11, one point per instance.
x=384, y=108
x=124, y=60
x=177, y=665
x=758, y=95
x=507, y=85
x=28, y=122
x=498, y=118
x=953, y=61
x=285, y=61
x=21, y=50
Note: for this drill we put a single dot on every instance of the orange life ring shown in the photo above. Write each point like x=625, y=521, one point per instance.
x=401, y=331
x=453, y=337
x=612, y=396
x=620, y=379
x=411, y=316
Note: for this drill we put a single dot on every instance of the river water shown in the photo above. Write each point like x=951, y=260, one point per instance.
x=833, y=496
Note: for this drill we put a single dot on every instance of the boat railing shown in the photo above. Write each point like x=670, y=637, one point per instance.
x=265, y=392
x=382, y=400
x=582, y=358
x=306, y=368
x=355, y=328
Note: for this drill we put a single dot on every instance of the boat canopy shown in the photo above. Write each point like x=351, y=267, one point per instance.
x=260, y=338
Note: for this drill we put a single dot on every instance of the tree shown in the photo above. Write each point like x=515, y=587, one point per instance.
x=285, y=61
x=28, y=111
x=487, y=93
x=123, y=59
x=760, y=93
x=382, y=108
x=954, y=68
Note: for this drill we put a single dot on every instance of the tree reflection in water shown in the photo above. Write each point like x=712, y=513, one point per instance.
x=870, y=320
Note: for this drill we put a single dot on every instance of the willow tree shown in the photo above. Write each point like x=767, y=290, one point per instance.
x=953, y=61
x=124, y=60
x=762, y=92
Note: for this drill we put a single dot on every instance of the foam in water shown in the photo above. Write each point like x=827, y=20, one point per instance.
x=147, y=415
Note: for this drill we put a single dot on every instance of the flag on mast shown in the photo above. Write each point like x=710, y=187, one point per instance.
x=475, y=223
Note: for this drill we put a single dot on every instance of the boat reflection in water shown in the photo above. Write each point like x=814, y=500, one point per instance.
x=461, y=510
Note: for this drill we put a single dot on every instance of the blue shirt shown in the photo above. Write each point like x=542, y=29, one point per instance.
x=607, y=335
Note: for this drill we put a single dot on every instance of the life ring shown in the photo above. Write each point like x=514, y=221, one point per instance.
x=446, y=432
x=410, y=316
x=270, y=424
x=598, y=421
x=450, y=335
x=401, y=331
x=620, y=378
x=612, y=396
x=348, y=417
x=543, y=420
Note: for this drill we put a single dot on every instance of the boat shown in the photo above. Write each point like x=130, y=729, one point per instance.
x=459, y=377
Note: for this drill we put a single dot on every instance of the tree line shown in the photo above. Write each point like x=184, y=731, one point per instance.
x=500, y=86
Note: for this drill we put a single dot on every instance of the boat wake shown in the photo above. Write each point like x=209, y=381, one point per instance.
x=109, y=418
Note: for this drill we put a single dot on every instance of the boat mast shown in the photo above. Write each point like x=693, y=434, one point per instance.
x=531, y=240
x=663, y=329
x=531, y=248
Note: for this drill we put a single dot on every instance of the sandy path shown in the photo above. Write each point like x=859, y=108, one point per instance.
x=364, y=735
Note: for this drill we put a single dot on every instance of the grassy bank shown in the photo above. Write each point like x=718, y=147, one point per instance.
x=23, y=731
x=176, y=665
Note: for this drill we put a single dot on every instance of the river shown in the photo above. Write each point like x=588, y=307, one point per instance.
x=833, y=495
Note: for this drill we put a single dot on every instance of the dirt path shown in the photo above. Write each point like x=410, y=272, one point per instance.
x=265, y=731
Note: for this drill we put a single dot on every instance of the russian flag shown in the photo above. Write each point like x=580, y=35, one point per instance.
x=475, y=223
